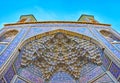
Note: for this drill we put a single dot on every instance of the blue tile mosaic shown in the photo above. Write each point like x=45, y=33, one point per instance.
x=117, y=46
x=115, y=70
x=40, y=30
x=104, y=79
x=9, y=74
x=34, y=31
x=17, y=62
x=30, y=76
x=106, y=61
x=6, y=54
x=62, y=77
x=2, y=31
x=2, y=80
x=18, y=80
x=91, y=75
x=57, y=25
x=2, y=47
x=108, y=44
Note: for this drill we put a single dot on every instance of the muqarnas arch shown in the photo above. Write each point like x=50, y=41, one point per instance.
x=60, y=52
x=83, y=51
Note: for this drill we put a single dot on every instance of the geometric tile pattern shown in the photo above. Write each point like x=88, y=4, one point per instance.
x=108, y=44
x=9, y=74
x=31, y=77
x=6, y=54
x=106, y=61
x=60, y=52
x=39, y=30
x=91, y=75
x=87, y=68
x=62, y=77
x=18, y=80
x=2, y=46
x=104, y=79
x=117, y=46
x=17, y=62
x=115, y=70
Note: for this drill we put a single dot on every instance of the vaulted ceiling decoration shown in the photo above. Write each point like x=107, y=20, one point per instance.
x=60, y=52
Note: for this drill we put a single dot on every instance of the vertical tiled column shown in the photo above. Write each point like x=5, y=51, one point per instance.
x=7, y=54
x=114, y=69
x=103, y=40
x=9, y=74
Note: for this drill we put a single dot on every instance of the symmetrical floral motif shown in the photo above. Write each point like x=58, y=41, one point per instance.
x=115, y=70
x=60, y=52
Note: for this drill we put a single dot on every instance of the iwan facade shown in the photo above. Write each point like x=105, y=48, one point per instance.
x=83, y=51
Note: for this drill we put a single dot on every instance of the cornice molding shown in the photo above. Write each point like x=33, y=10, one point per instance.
x=54, y=22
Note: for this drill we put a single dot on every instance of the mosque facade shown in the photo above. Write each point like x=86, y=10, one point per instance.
x=82, y=51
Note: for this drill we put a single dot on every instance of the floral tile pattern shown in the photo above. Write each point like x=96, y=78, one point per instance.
x=115, y=70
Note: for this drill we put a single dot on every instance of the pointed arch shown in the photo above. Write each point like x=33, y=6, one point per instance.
x=60, y=50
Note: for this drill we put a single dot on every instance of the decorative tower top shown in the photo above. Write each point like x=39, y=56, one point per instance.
x=87, y=18
x=27, y=18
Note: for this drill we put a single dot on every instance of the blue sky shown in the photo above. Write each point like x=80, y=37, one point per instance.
x=105, y=11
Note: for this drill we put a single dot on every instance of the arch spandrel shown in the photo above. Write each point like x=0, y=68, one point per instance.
x=110, y=36
x=8, y=36
x=60, y=51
